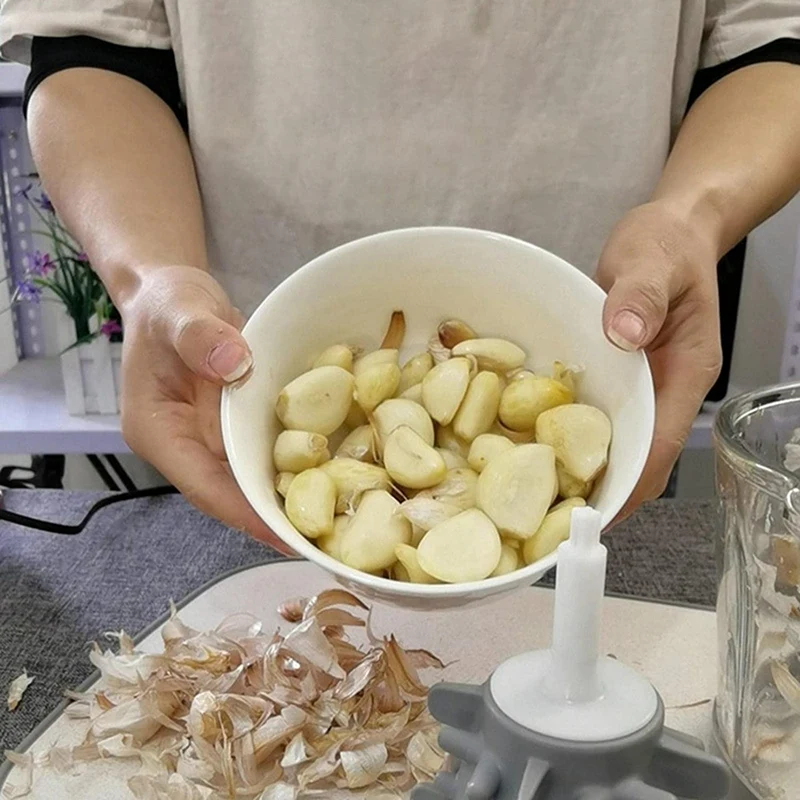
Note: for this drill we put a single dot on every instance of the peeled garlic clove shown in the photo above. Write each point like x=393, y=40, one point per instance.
x=370, y=360
x=444, y=387
x=376, y=384
x=396, y=331
x=580, y=436
x=497, y=355
x=400, y=573
x=438, y=351
x=410, y=461
x=526, y=398
x=416, y=535
x=517, y=374
x=514, y=544
x=452, y=460
x=567, y=375
x=479, y=407
x=376, y=529
x=485, y=447
x=283, y=480
x=310, y=503
x=447, y=440
x=473, y=366
x=296, y=451
x=407, y=556
x=518, y=437
x=358, y=444
x=395, y=412
x=317, y=401
x=462, y=549
x=338, y=355
x=355, y=416
x=459, y=488
x=413, y=393
x=332, y=543
x=454, y=331
x=569, y=486
x=426, y=513
x=414, y=370
x=352, y=478
x=517, y=487
x=509, y=561
x=553, y=530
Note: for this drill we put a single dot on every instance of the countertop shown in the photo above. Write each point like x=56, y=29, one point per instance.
x=58, y=593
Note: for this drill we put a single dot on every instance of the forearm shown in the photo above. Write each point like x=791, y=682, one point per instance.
x=736, y=160
x=118, y=169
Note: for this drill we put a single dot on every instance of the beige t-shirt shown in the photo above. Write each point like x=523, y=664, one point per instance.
x=314, y=122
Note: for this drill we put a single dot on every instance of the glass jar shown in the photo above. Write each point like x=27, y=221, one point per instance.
x=757, y=710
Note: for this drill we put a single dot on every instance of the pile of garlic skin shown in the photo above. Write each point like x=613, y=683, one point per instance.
x=239, y=712
x=450, y=466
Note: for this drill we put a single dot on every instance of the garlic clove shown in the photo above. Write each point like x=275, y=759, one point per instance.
x=568, y=376
x=370, y=360
x=369, y=541
x=355, y=416
x=569, y=486
x=518, y=374
x=517, y=487
x=376, y=384
x=447, y=440
x=413, y=393
x=283, y=480
x=410, y=461
x=438, y=351
x=553, y=530
x=462, y=549
x=517, y=437
x=310, y=503
x=414, y=370
x=358, y=444
x=497, y=355
x=338, y=355
x=317, y=401
x=395, y=333
x=332, y=542
x=425, y=513
x=452, y=460
x=400, y=573
x=479, y=407
x=454, y=331
x=444, y=387
x=296, y=451
x=407, y=556
x=459, y=488
x=524, y=399
x=509, y=561
x=395, y=412
x=485, y=447
x=352, y=478
x=580, y=436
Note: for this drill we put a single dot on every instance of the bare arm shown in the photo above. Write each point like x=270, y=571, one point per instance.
x=736, y=161
x=120, y=173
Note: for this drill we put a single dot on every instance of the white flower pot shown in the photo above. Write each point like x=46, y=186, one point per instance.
x=91, y=373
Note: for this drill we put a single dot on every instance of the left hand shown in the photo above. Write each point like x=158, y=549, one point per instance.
x=659, y=270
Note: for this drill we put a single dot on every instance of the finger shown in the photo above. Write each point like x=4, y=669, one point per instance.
x=205, y=482
x=636, y=308
x=211, y=347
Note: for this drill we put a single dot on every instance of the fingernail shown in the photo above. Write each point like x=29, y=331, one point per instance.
x=230, y=361
x=627, y=331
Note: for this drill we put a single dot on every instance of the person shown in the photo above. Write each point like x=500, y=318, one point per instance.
x=192, y=145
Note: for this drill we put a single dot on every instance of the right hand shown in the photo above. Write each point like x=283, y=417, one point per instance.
x=181, y=345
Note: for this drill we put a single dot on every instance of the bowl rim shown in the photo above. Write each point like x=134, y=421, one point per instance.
x=387, y=586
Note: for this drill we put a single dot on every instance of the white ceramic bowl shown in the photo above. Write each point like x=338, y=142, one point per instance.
x=501, y=287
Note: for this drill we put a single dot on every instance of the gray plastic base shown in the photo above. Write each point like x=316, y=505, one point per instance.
x=494, y=758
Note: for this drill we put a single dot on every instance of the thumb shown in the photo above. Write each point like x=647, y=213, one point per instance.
x=635, y=309
x=211, y=347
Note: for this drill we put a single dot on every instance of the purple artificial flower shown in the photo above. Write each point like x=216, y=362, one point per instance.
x=26, y=290
x=42, y=264
x=110, y=327
x=44, y=202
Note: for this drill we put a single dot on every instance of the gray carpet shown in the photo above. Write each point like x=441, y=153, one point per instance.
x=57, y=592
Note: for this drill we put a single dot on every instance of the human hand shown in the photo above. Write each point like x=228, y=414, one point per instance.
x=660, y=274
x=182, y=344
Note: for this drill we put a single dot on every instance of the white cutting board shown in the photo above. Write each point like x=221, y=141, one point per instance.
x=675, y=647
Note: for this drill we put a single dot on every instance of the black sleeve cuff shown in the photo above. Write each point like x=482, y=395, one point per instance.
x=785, y=50
x=154, y=68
